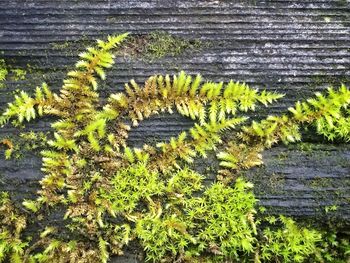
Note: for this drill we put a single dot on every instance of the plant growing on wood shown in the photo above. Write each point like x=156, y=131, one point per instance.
x=8, y=73
x=12, y=224
x=113, y=194
x=290, y=243
x=3, y=70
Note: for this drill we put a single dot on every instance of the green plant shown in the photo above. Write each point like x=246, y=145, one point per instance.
x=328, y=114
x=158, y=44
x=19, y=74
x=7, y=72
x=335, y=247
x=26, y=108
x=290, y=243
x=113, y=194
x=220, y=223
x=11, y=227
x=3, y=70
x=17, y=145
x=225, y=224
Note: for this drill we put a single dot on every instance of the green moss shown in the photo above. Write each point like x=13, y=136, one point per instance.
x=3, y=72
x=265, y=182
x=19, y=74
x=71, y=47
x=331, y=208
x=306, y=147
x=60, y=46
x=163, y=44
x=10, y=72
x=320, y=182
x=148, y=47
x=276, y=181
x=318, y=81
x=343, y=3
x=157, y=45
x=282, y=156
x=316, y=150
x=16, y=146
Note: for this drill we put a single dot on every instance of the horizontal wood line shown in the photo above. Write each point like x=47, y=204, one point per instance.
x=169, y=10
x=319, y=25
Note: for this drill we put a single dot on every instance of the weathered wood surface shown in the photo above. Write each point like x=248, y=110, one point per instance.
x=289, y=46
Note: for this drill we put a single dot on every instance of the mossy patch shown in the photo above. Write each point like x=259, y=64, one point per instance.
x=15, y=146
x=149, y=47
x=18, y=74
x=157, y=45
x=3, y=72
x=71, y=47
x=10, y=73
x=322, y=81
x=319, y=182
x=265, y=182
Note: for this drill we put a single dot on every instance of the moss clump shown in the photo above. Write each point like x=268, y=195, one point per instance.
x=157, y=45
x=163, y=44
x=324, y=80
x=8, y=72
x=150, y=47
x=320, y=182
x=18, y=74
x=26, y=142
x=71, y=47
x=61, y=46
x=3, y=72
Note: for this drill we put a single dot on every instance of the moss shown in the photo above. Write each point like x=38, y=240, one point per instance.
x=150, y=47
x=343, y=3
x=16, y=146
x=19, y=74
x=319, y=182
x=318, y=81
x=33, y=76
x=163, y=44
x=60, y=46
x=282, y=156
x=71, y=47
x=312, y=149
x=330, y=208
x=329, y=203
x=3, y=72
x=306, y=147
x=10, y=72
x=276, y=181
x=265, y=182
x=157, y=45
